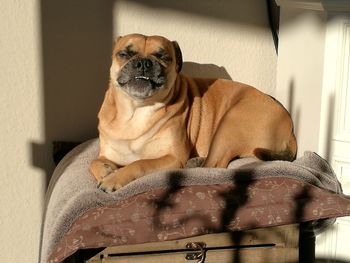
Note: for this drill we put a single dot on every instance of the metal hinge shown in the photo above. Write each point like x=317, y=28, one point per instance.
x=198, y=253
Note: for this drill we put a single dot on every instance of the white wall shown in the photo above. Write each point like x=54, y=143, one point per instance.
x=21, y=116
x=231, y=34
x=53, y=69
x=300, y=72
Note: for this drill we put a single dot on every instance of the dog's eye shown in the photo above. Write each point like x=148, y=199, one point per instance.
x=162, y=56
x=123, y=54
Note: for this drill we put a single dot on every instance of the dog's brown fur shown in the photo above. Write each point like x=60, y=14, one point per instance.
x=187, y=117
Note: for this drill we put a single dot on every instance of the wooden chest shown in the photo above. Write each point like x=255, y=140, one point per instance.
x=274, y=244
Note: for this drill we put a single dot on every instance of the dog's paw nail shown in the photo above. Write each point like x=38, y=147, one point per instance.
x=107, y=188
x=104, y=189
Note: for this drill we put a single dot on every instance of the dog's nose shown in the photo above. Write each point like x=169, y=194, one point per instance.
x=144, y=63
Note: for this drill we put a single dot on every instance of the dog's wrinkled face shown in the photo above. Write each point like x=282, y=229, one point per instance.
x=143, y=66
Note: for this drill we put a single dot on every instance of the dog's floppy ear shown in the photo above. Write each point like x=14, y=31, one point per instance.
x=178, y=56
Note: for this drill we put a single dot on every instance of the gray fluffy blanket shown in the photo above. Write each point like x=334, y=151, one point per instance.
x=72, y=190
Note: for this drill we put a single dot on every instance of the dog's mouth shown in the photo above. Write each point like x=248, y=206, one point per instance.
x=155, y=82
x=141, y=86
x=142, y=78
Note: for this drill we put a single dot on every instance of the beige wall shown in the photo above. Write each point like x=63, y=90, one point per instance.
x=232, y=35
x=54, y=68
x=21, y=116
x=300, y=72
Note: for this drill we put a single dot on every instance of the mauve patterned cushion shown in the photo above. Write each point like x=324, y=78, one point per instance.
x=185, y=211
x=169, y=205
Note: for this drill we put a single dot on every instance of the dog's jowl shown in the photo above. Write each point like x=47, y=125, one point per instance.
x=155, y=118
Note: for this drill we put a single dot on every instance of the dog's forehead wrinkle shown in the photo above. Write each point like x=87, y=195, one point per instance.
x=129, y=47
x=157, y=44
x=139, y=46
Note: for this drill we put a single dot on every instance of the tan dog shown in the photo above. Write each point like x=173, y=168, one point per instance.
x=154, y=118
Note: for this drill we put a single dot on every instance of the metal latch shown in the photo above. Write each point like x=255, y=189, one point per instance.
x=198, y=253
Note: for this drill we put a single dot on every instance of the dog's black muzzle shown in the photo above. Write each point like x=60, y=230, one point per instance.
x=142, y=77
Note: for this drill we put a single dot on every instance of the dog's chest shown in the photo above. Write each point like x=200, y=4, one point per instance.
x=138, y=138
x=124, y=152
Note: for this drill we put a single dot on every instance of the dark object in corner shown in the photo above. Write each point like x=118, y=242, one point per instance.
x=82, y=255
x=60, y=149
x=273, y=14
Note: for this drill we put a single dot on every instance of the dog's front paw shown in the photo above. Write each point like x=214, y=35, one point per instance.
x=113, y=181
x=109, y=183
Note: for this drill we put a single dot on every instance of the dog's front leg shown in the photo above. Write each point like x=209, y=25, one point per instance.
x=101, y=167
x=137, y=169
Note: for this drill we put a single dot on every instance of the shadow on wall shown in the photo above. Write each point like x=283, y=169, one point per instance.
x=292, y=109
x=204, y=70
x=76, y=46
x=329, y=132
x=295, y=112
